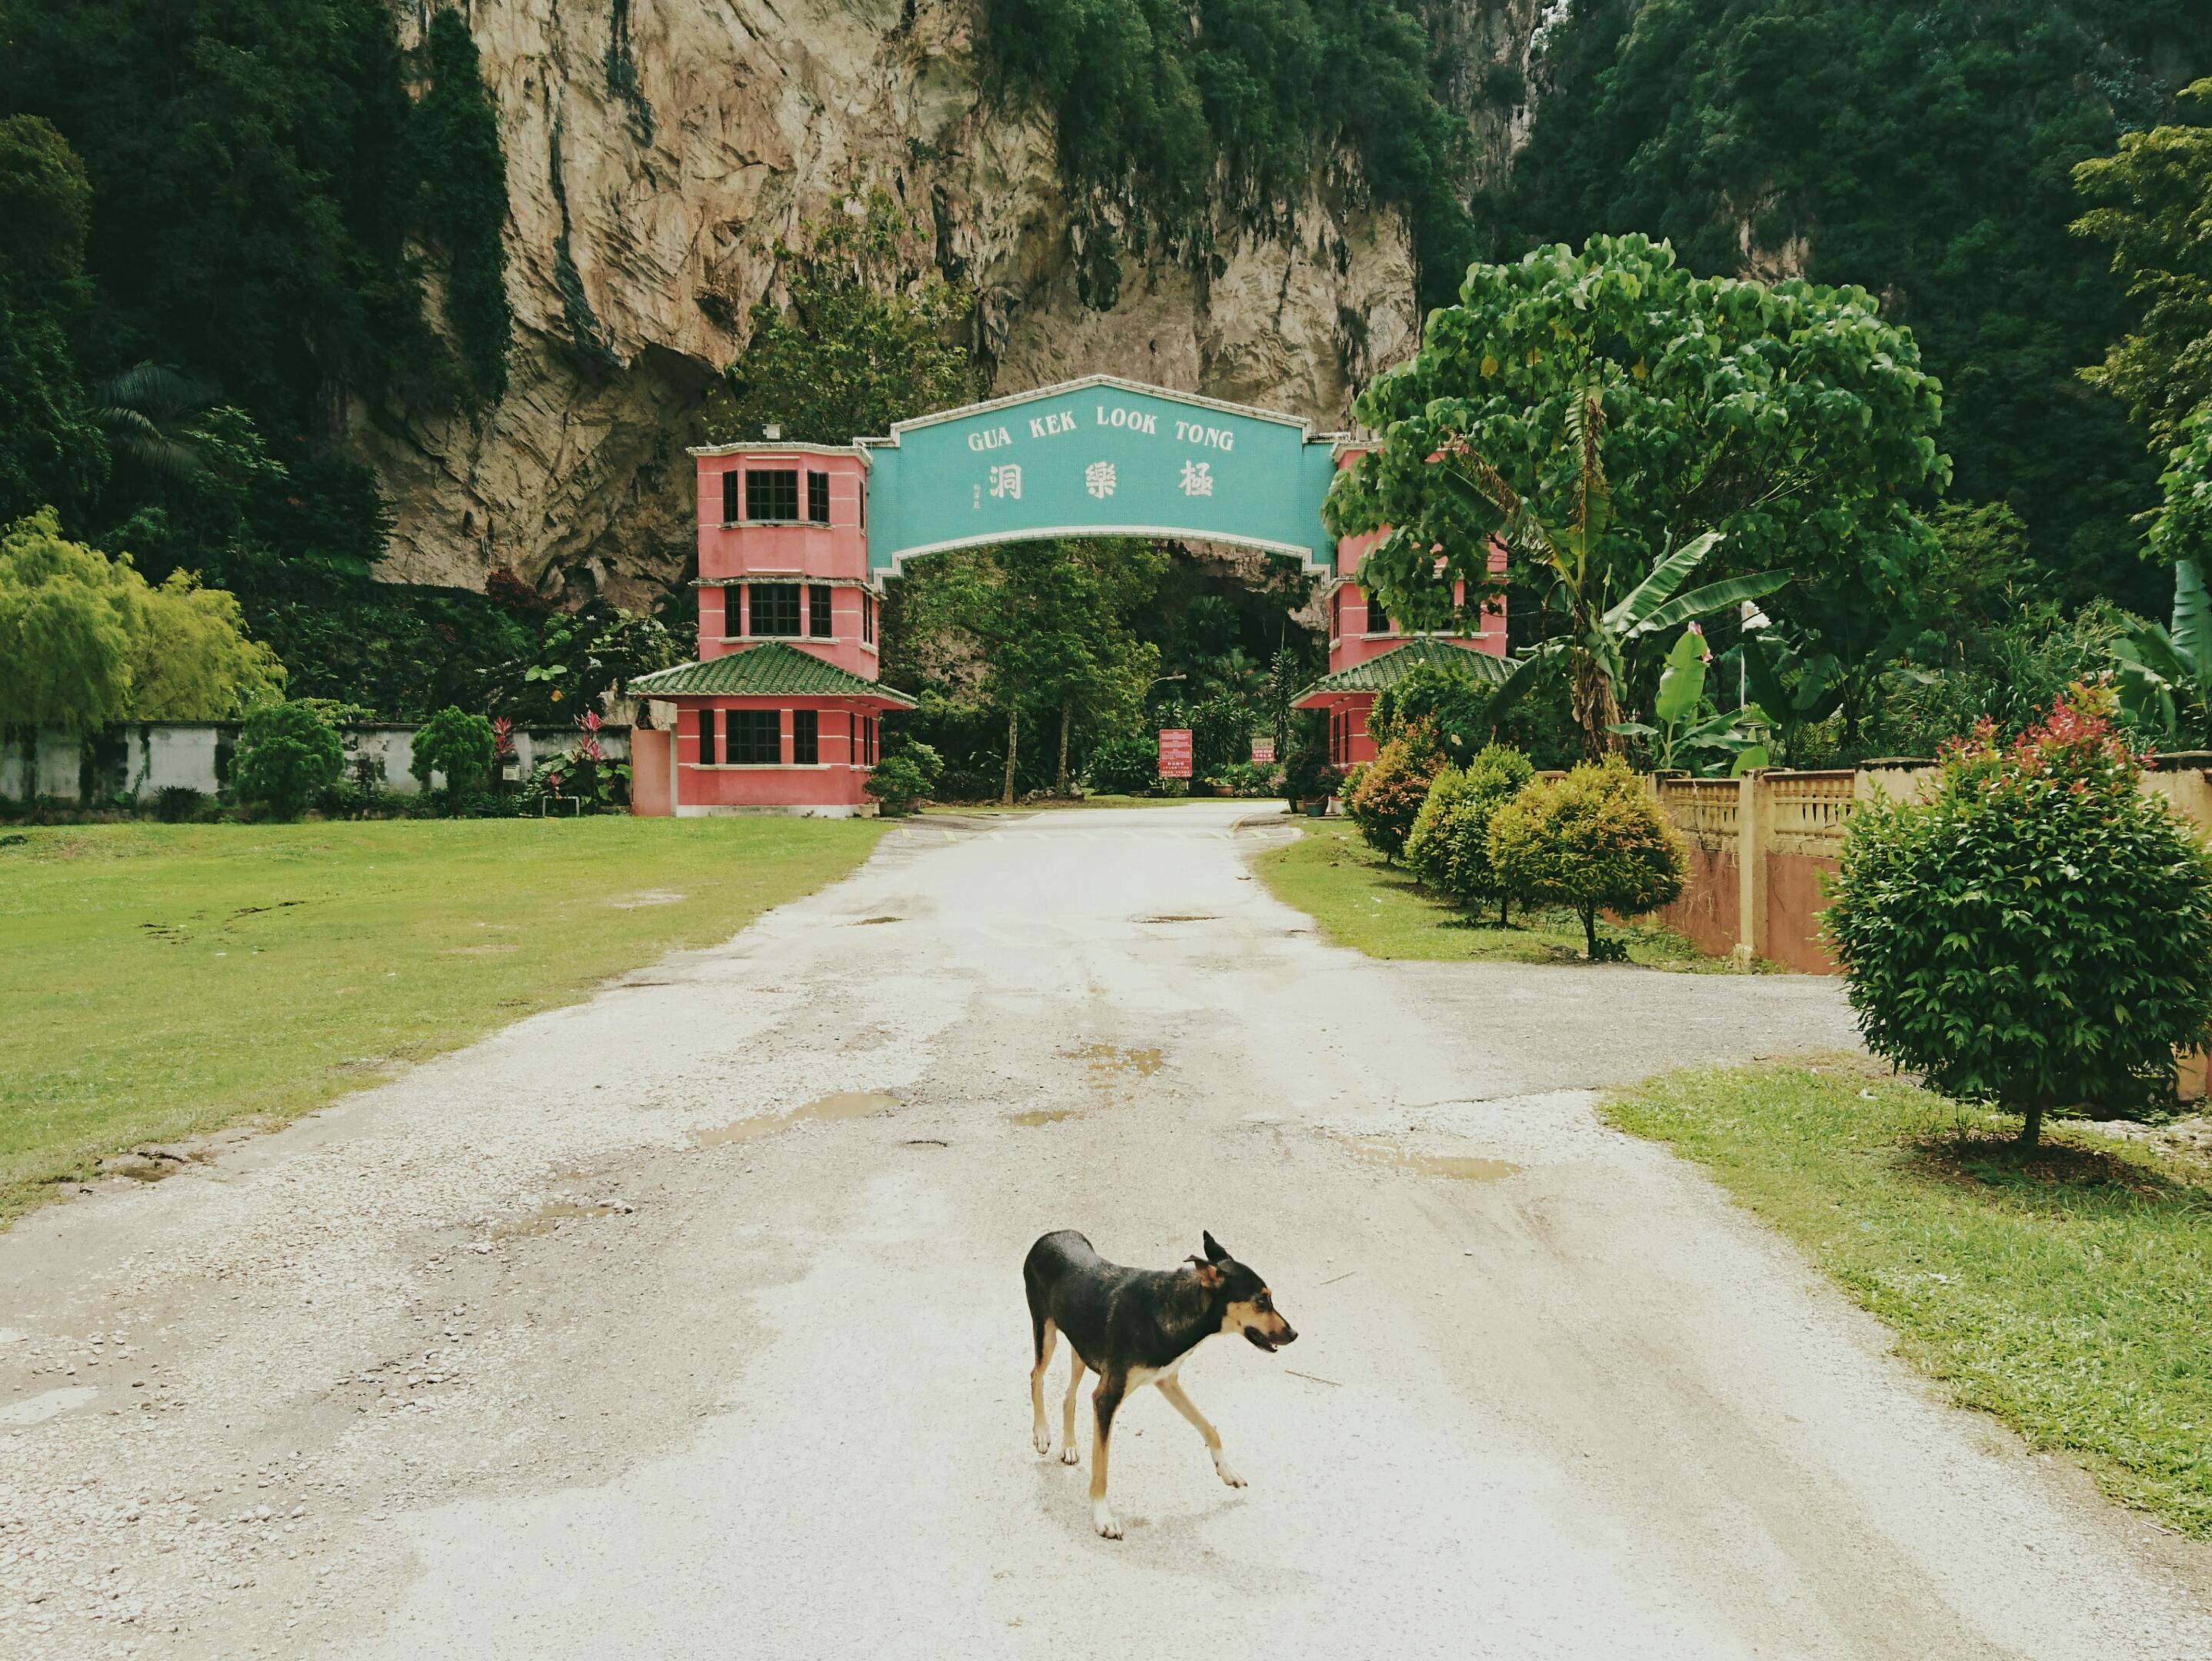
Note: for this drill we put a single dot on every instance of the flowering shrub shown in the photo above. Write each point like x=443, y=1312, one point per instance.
x=1384, y=796
x=1450, y=847
x=1594, y=840
x=2039, y=932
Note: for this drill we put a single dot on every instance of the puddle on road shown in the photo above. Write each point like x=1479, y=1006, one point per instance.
x=1044, y=1116
x=870, y=922
x=1460, y=1167
x=838, y=1104
x=1110, y=1059
x=548, y=1217
x=1192, y=918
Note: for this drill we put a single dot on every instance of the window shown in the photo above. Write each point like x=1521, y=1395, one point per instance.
x=772, y=494
x=775, y=609
x=817, y=498
x=872, y=741
x=729, y=497
x=705, y=737
x=1378, y=620
x=756, y=737
x=806, y=737
x=867, y=616
x=818, y=611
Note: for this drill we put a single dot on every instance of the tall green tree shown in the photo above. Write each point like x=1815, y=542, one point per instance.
x=1921, y=151
x=2154, y=207
x=866, y=335
x=51, y=449
x=1790, y=421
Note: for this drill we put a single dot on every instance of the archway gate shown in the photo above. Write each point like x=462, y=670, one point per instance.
x=782, y=710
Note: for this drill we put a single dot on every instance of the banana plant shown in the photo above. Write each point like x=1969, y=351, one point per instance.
x=1594, y=646
x=2153, y=664
x=1736, y=734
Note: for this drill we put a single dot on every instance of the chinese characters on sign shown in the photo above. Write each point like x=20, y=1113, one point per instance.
x=1098, y=479
x=1007, y=481
x=1197, y=479
x=1263, y=752
x=1175, y=752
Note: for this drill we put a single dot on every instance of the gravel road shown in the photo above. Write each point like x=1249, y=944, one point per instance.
x=688, y=1322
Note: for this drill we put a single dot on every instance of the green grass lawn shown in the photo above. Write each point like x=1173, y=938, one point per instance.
x=163, y=980
x=1376, y=908
x=2070, y=1294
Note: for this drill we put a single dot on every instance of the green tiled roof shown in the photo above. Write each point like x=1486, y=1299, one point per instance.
x=769, y=669
x=1391, y=667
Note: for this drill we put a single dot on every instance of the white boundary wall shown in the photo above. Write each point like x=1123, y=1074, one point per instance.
x=142, y=758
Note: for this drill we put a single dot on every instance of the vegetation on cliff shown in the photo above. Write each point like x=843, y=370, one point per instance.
x=1923, y=152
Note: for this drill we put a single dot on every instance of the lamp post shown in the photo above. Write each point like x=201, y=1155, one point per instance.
x=1754, y=620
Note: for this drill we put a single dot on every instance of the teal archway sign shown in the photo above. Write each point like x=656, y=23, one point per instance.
x=1099, y=456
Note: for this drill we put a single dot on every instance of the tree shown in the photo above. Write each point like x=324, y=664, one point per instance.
x=1450, y=847
x=2039, y=932
x=192, y=659
x=1593, y=840
x=1791, y=423
x=69, y=618
x=287, y=755
x=51, y=450
x=1383, y=798
x=2154, y=207
x=865, y=335
x=2183, y=528
x=459, y=745
x=461, y=175
x=1922, y=151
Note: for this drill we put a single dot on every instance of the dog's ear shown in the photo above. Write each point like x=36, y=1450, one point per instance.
x=1214, y=1253
x=1209, y=1277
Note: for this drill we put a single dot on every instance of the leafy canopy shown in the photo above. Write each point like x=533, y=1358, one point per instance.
x=2040, y=932
x=1922, y=151
x=1792, y=420
x=287, y=755
x=867, y=336
x=84, y=640
x=1449, y=849
x=1150, y=98
x=1593, y=840
x=2155, y=208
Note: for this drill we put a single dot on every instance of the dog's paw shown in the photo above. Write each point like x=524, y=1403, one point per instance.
x=1069, y=1456
x=1042, y=1441
x=1227, y=1473
x=1108, y=1528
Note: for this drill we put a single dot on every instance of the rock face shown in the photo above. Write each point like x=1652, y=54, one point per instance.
x=655, y=151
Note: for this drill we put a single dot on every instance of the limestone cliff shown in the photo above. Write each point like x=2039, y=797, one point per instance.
x=655, y=149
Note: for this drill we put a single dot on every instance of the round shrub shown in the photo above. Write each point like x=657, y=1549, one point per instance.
x=287, y=755
x=2036, y=934
x=1383, y=798
x=1450, y=847
x=905, y=778
x=461, y=746
x=1123, y=765
x=1594, y=840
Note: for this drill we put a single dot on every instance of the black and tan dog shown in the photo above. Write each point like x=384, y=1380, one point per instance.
x=1135, y=1327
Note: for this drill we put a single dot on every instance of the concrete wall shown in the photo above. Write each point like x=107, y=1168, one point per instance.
x=140, y=759
x=1761, y=846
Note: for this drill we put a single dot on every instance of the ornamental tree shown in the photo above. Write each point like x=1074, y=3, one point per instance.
x=2037, y=933
x=1383, y=798
x=1790, y=420
x=287, y=755
x=461, y=746
x=1450, y=847
x=1593, y=840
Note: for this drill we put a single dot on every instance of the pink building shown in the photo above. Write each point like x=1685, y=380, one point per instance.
x=1367, y=652
x=782, y=710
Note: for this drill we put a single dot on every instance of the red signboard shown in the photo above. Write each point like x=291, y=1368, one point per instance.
x=1175, y=752
x=1263, y=752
